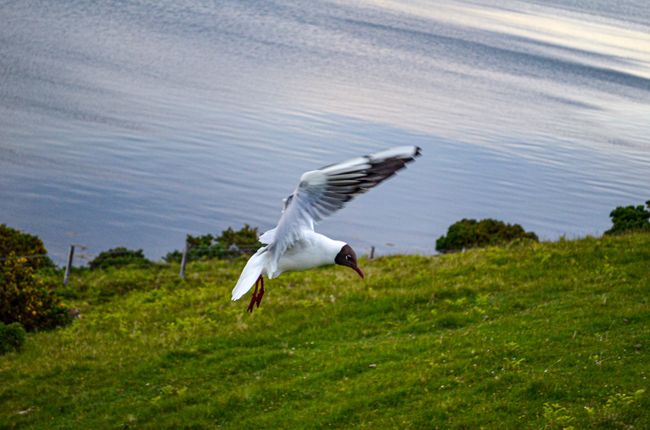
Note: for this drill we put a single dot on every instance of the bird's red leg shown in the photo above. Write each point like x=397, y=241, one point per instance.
x=261, y=293
x=254, y=297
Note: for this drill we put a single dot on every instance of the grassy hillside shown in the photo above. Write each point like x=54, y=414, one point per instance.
x=537, y=336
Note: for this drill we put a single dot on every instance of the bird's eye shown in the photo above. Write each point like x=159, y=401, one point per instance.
x=348, y=257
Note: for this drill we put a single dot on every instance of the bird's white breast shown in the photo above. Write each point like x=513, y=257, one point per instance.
x=312, y=251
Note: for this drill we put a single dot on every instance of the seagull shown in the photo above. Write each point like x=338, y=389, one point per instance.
x=293, y=245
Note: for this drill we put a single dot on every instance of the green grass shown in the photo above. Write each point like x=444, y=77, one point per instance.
x=542, y=336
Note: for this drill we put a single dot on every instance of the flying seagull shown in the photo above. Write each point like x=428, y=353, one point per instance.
x=293, y=245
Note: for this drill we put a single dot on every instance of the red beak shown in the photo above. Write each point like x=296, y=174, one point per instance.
x=356, y=269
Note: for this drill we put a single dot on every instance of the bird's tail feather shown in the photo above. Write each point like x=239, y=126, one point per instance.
x=251, y=272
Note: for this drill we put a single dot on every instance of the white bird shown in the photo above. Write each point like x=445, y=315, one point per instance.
x=293, y=245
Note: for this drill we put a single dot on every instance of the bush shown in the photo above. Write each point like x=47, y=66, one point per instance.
x=630, y=218
x=12, y=337
x=23, y=244
x=27, y=299
x=245, y=238
x=229, y=244
x=469, y=233
x=119, y=257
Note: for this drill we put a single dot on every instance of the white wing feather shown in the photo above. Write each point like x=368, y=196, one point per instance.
x=322, y=192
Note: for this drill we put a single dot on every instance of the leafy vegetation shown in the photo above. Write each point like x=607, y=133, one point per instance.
x=119, y=257
x=469, y=233
x=529, y=335
x=28, y=299
x=229, y=244
x=23, y=245
x=12, y=337
x=630, y=218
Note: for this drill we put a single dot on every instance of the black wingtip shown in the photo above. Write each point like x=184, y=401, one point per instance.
x=418, y=152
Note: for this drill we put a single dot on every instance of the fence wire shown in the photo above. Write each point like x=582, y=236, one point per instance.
x=29, y=257
x=186, y=256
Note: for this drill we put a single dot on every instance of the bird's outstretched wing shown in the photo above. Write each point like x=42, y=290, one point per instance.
x=322, y=192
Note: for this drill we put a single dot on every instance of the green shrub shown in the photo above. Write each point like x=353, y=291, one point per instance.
x=199, y=248
x=26, y=299
x=469, y=233
x=119, y=257
x=229, y=244
x=23, y=244
x=12, y=337
x=630, y=218
x=246, y=237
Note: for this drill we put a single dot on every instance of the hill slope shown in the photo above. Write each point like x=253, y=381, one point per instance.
x=545, y=335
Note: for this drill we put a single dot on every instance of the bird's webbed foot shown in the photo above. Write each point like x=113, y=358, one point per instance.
x=258, y=293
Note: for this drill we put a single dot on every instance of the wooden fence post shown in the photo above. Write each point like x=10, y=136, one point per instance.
x=372, y=252
x=184, y=261
x=68, y=267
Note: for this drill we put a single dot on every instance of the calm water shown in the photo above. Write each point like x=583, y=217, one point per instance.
x=136, y=122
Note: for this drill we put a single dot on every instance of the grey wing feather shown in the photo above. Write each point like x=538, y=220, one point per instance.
x=325, y=191
x=322, y=192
